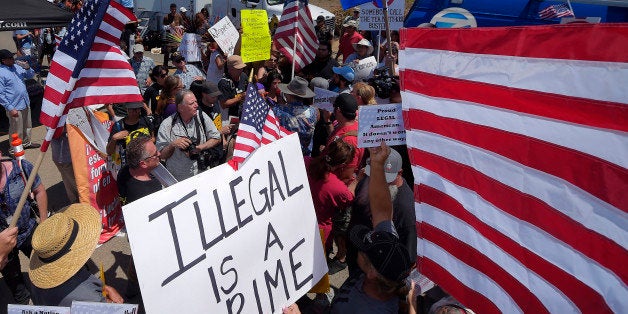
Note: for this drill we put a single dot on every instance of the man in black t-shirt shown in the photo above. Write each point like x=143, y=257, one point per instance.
x=135, y=179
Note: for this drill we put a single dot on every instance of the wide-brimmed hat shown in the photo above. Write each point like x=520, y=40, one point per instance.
x=138, y=48
x=298, y=87
x=383, y=249
x=363, y=42
x=183, y=9
x=235, y=62
x=351, y=23
x=62, y=244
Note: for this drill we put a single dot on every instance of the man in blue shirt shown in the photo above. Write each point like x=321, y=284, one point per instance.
x=14, y=96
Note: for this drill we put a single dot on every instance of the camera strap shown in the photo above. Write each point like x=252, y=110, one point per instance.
x=196, y=127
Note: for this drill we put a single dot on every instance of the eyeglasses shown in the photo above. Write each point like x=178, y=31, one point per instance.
x=156, y=154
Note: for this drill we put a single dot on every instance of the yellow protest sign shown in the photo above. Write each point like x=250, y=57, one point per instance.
x=255, y=36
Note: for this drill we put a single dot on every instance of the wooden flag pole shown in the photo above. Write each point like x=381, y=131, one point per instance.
x=27, y=188
x=390, y=63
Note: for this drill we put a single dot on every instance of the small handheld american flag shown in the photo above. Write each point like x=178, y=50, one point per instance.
x=555, y=11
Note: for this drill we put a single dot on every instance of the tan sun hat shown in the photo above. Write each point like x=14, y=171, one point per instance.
x=62, y=244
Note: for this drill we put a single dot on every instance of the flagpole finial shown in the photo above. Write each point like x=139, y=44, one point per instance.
x=251, y=76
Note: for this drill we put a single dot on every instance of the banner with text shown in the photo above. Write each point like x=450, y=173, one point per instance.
x=80, y=307
x=241, y=241
x=364, y=68
x=190, y=47
x=380, y=122
x=372, y=15
x=255, y=36
x=95, y=182
x=324, y=99
x=225, y=35
x=36, y=309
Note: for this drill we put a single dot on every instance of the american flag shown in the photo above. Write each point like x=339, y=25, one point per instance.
x=520, y=161
x=296, y=21
x=258, y=126
x=555, y=11
x=88, y=66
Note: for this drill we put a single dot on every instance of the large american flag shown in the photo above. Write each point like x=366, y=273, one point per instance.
x=518, y=139
x=296, y=21
x=88, y=66
x=258, y=126
x=555, y=11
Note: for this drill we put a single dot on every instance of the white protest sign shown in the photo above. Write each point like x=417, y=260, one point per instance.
x=364, y=68
x=372, y=15
x=190, y=47
x=225, y=34
x=80, y=307
x=34, y=309
x=324, y=99
x=228, y=241
x=380, y=122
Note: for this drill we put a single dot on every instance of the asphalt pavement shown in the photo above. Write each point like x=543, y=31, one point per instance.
x=113, y=255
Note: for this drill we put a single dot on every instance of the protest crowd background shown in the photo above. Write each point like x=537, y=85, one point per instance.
x=199, y=106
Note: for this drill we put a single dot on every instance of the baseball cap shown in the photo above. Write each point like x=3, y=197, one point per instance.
x=138, y=48
x=173, y=5
x=347, y=105
x=320, y=18
x=177, y=58
x=235, y=62
x=351, y=23
x=345, y=71
x=392, y=166
x=389, y=257
x=5, y=54
x=183, y=9
x=210, y=88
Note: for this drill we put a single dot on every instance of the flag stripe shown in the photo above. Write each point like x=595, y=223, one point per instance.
x=580, y=206
x=556, y=76
x=524, y=42
x=296, y=22
x=587, y=112
x=470, y=256
x=463, y=280
x=530, y=209
x=575, y=290
x=609, y=182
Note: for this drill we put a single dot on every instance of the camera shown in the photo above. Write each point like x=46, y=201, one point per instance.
x=382, y=82
x=203, y=158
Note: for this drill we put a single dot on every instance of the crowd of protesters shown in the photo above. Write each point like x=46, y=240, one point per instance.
x=188, y=122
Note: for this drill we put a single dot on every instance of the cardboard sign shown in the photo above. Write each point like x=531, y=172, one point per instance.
x=380, y=122
x=255, y=36
x=324, y=99
x=80, y=307
x=34, y=309
x=190, y=47
x=372, y=15
x=229, y=241
x=364, y=69
x=225, y=34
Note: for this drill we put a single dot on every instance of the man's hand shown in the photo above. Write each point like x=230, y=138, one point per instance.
x=14, y=113
x=112, y=295
x=379, y=154
x=197, y=78
x=120, y=135
x=181, y=143
x=8, y=239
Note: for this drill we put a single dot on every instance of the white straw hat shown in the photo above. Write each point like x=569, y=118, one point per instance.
x=62, y=244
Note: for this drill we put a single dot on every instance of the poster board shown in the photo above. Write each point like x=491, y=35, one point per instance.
x=380, y=122
x=243, y=241
x=364, y=68
x=36, y=309
x=324, y=99
x=190, y=47
x=80, y=307
x=372, y=15
x=255, y=36
x=226, y=35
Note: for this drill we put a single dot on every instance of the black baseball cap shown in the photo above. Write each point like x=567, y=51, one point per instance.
x=347, y=105
x=5, y=54
x=389, y=257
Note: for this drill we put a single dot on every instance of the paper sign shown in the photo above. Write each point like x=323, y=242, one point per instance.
x=364, y=69
x=380, y=122
x=190, y=47
x=34, y=309
x=225, y=34
x=255, y=36
x=324, y=99
x=80, y=307
x=372, y=15
x=229, y=241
